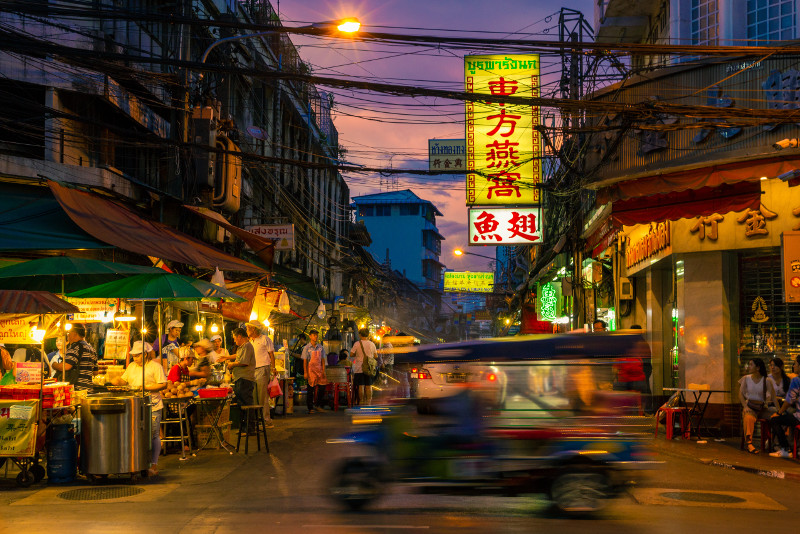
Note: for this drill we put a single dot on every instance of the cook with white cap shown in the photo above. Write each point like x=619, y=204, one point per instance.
x=222, y=353
x=154, y=382
x=170, y=342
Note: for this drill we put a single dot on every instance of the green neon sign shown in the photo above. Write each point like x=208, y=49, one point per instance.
x=547, y=302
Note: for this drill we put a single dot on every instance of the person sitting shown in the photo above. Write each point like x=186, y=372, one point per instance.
x=180, y=372
x=779, y=379
x=782, y=419
x=754, y=392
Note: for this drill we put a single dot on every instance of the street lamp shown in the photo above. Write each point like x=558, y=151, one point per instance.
x=348, y=25
x=459, y=252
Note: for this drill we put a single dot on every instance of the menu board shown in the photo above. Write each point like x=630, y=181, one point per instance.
x=117, y=342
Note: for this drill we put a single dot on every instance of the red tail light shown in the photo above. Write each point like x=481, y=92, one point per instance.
x=420, y=374
x=491, y=377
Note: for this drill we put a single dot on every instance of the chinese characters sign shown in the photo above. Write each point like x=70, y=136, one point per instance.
x=503, y=147
x=447, y=155
x=791, y=266
x=505, y=226
x=467, y=281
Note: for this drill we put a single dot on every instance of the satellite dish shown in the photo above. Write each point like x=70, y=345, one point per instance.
x=257, y=132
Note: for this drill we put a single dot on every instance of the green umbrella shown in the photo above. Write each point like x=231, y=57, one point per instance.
x=63, y=274
x=160, y=286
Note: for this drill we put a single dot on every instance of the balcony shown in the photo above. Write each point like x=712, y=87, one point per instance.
x=623, y=20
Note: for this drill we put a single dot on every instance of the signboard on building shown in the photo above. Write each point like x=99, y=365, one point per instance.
x=447, y=155
x=505, y=226
x=646, y=244
x=282, y=234
x=468, y=281
x=791, y=266
x=503, y=146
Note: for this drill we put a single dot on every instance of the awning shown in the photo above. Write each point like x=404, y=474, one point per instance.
x=263, y=248
x=295, y=282
x=31, y=219
x=114, y=224
x=706, y=177
x=687, y=204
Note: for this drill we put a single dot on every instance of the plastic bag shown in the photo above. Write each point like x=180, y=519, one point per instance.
x=283, y=303
x=274, y=388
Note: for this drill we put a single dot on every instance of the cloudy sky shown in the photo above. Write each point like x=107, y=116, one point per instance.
x=393, y=132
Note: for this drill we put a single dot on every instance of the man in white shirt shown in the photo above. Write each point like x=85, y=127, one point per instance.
x=265, y=364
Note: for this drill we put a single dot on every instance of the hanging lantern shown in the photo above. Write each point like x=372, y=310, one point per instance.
x=321, y=310
x=283, y=303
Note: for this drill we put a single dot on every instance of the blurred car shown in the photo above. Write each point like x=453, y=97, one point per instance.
x=436, y=380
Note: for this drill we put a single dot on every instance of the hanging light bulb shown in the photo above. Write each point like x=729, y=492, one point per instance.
x=38, y=331
x=198, y=327
x=68, y=327
x=266, y=322
x=144, y=330
x=214, y=328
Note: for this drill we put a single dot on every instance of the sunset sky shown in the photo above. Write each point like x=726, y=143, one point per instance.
x=393, y=132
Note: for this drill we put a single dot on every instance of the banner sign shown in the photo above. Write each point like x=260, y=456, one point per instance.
x=447, y=155
x=503, y=146
x=468, y=282
x=17, y=427
x=505, y=226
x=791, y=266
x=28, y=372
x=92, y=310
x=282, y=234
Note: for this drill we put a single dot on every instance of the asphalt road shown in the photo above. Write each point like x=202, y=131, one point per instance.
x=285, y=492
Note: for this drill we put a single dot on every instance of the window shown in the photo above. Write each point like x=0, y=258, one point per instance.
x=705, y=21
x=366, y=211
x=383, y=210
x=770, y=20
x=409, y=209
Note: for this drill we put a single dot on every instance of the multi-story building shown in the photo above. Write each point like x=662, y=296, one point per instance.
x=404, y=236
x=697, y=22
x=120, y=102
x=694, y=219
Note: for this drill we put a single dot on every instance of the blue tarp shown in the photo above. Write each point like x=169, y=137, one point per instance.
x=32, y=219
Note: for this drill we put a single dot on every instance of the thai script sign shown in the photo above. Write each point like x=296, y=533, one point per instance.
x=468, y=281
x=92, y=310
x=503, y=146
x=655, y=244
x=282, y=234
x=505, y=226
x=18, y=427
x=447, y=155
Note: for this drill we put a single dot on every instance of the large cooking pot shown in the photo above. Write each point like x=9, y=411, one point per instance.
x=115, y=433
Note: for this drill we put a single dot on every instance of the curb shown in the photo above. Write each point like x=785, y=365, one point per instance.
x=769, y=473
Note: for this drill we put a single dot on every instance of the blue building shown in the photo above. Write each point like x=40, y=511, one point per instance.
x=404, y=235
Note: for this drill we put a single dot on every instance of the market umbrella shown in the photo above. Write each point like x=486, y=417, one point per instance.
x=33, y=303
x=64, y=274
x=158, y=286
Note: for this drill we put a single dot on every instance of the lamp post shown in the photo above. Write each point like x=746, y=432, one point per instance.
x=346, y=26
x=503, y=268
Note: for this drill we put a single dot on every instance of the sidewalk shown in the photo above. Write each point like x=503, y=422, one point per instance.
x=728, y=455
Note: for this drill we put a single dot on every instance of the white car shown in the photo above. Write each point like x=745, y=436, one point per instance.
x=436, y=380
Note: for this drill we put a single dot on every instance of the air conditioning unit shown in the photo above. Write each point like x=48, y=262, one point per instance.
x=625, y=289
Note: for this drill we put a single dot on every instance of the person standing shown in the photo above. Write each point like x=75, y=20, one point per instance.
x=56, y=356
x=314, y=370
x=782, y=418
x=168, y=350
x=363, y=350
x=243, y=368
x=265, y=364
x=80, y=361
x=6, y=367
x=599, y=325
x=154, y=381
x=222, y=353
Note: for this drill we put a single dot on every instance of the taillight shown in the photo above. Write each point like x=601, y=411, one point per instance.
x=420, y=374
x=491, y=377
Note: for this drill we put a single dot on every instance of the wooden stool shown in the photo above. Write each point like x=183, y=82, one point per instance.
x=244, y=427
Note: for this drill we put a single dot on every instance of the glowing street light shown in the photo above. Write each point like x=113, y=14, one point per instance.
x=459, y=252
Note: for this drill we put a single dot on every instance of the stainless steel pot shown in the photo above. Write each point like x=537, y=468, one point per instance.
x=115, y=433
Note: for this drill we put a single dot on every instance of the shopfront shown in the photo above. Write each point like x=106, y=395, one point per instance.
x=709, y=292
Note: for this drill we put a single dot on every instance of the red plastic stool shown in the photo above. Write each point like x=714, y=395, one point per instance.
x=765, y=435
x=670, y=412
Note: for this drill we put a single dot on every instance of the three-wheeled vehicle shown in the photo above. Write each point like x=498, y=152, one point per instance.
x=564, y=430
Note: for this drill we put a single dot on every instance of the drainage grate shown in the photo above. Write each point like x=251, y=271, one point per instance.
x=697, y=496
x=99, y=494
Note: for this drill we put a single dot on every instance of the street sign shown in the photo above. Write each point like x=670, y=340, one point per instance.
x=468, y=282
x=447, y=155
x=505, y=226
x=282, y=234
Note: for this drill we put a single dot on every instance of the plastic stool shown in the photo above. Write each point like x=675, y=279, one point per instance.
x=670, y=423
x=244, y=427
x=765, y=434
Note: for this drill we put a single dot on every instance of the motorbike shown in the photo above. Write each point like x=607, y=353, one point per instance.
x=578, y=447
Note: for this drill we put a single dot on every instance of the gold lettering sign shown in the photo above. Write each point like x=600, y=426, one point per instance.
x=656, y=241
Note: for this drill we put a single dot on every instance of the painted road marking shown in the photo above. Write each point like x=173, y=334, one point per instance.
x=707, y=498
